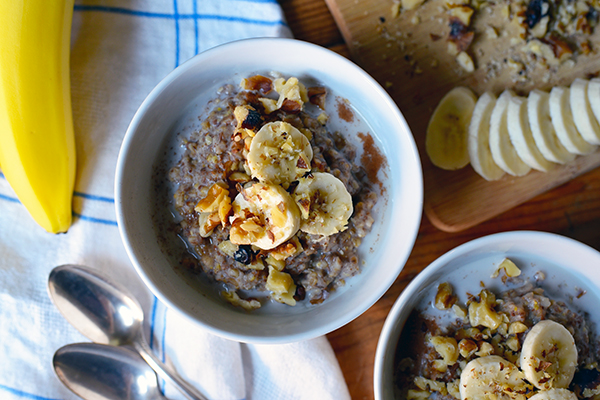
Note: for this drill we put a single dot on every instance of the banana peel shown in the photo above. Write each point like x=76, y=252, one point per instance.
x=37, y=144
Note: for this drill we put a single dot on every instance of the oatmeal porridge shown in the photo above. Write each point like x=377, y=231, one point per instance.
x=269, y=202
x=512, y=344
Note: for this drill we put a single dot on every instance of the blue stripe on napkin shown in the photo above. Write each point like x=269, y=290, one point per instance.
x=24, y=395
x=126, y=11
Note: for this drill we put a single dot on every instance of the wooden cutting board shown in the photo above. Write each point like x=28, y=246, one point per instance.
x=408, y=55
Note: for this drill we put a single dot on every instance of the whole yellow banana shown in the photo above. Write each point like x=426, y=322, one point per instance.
x=37, y=144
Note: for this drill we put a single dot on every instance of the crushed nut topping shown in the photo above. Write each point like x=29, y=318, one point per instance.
x=444, y=298
x=567, y=27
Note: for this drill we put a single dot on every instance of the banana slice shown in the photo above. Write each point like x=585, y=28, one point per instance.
x=521, y=136
x=279, y=154
x=584, y=118
x=593, y=93
x=554, y=394
x=549, y=355
x=447, y=131
x=492, y=377
x=265, y=216
x=502, y=149
x=479, y=135
x=544, y=134
x=562, y=119
x=324, y=203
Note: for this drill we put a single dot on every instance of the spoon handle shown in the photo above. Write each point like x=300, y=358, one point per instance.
x=161, y=369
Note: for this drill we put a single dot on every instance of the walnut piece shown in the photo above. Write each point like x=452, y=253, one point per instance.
x=445, y=347
x=444, y=298
x=483, y=313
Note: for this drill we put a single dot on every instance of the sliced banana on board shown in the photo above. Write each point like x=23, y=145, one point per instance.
x=502, y=149
x=447, y=131
x=593, y=93
x=584, y=118
x=554, y=394
x=264, y=215
x=479, y=134
x=544, y=134
x=521, y=136
x=549, y=355
x=562, y=119
x=489, y=376
x=279, y=154
x=324, y=203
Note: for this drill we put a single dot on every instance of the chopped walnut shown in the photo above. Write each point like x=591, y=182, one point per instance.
x=467, y=347
x=509, y=267
x=207, y=222
x=317, y=95
x=517, y=327
x=239, y=177
x=292, y=94
x=463, y=14
x=453, y=388
x=465, y=61
x=257, y=83
x=288, y=249
x=431, y=385
x=459, y=311
x=214, y=209
x=233, y=298
x=444, y=298
x=485, y=349
x=282, y=286
x=445, y=347
x=483, y=313
x=411, y=4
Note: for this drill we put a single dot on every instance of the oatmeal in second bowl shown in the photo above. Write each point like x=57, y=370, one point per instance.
x=507, y=316
x=269, y=189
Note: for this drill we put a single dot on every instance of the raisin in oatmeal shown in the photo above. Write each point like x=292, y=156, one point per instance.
x=272, y=204
x=511, y=344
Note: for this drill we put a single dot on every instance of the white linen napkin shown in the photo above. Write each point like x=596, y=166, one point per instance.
x=120, y=50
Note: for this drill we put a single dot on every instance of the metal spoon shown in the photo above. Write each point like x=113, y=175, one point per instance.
x=107, y=314
x=100, y=372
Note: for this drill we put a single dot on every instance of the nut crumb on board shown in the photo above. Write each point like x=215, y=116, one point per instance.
x=530, y=36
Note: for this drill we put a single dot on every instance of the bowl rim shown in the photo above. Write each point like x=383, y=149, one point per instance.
x=385, y=337
x=139, y=116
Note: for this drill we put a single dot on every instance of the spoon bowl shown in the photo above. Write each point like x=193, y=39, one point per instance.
x=100, y=372
x=101, y=311
x=107, y=314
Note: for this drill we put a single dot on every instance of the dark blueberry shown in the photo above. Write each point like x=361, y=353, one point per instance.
x=457, y=28
x=253, y=119
x=300, y=293
x=244, y=254
x=586, y=378
x=535, y=13
x=592, y=15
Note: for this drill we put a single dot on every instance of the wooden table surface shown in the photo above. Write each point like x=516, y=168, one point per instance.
x=572, y=209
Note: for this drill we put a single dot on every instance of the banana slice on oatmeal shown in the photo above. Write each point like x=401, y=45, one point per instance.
x=264, y=215
x=549, y=355
x=324, y=203
x=554, y=394
x=492, y=377
x=279, y=154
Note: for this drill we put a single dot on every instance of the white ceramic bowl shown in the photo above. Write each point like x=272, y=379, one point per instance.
x=568, y=265
x=177, y=100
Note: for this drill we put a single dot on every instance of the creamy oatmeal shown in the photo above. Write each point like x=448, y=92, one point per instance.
x=513, y=344
x=269, y=202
